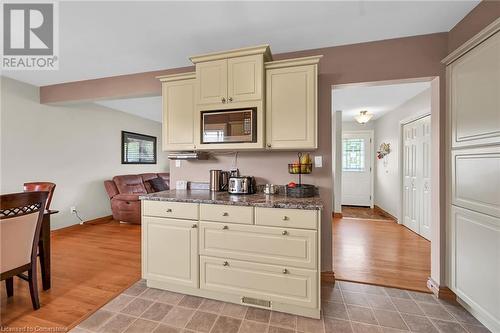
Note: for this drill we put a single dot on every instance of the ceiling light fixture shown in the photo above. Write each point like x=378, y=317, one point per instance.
x=363, y=117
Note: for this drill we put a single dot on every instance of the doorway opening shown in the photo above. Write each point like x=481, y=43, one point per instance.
x=382, y=140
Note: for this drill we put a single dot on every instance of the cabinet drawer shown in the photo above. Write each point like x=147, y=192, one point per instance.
x=282, y=246
x=290, y=218
x=178, y=210
x=265, y=282
x=226, y=213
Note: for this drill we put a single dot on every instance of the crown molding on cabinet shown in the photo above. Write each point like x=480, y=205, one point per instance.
x=259, y=49
x=312, y=60
x=481, y=36
x=177, y=77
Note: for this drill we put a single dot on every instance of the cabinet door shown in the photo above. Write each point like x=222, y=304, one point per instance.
x=212, y=81
x=170, y=250
x=178, y=115
x=291, y=112
x=474, y=83
x=245, y=75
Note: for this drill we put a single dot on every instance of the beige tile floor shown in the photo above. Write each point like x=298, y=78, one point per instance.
x=347, y=308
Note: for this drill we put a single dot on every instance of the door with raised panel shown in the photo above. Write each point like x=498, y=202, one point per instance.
x=474, y=83
x=417, y=176
x=291, y=107
x=212, y=82
x=245, y=78
x=170, y=250
x=178, y=114
x=410, y=162
x=425, y=177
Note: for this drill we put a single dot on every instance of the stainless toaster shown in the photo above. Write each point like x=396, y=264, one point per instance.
x=241, y=185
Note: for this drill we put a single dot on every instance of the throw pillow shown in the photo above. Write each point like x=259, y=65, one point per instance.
x=158, y=184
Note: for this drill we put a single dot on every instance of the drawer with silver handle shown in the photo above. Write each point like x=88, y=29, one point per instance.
x=226, y=213
x=271, y=283
x=292, y=247
x=177, y=210
x=289, y=218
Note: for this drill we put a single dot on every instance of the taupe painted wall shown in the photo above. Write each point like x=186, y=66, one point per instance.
x=477, y=19
x=400, y=58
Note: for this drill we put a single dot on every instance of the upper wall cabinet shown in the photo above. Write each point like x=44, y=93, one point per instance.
x=291, y=104
x=212, y=82
x=232, y=76
x=474, y=95
x=178, y=93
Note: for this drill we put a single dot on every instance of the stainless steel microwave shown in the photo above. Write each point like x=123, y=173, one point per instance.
x=229, y=126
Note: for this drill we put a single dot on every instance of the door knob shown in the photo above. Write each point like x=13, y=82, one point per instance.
x=169, y=210
x=225, y=227
x=230, y=99
x=285, y=218
x=225, y=263
x=194, y=226
x=284, y=233
x=225, y=214
x=223, y=100
x=268, y=145
x=285, y=271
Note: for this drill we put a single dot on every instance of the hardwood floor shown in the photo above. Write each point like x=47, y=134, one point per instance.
x=366, y=213
x=381, y=253
x=91, y=264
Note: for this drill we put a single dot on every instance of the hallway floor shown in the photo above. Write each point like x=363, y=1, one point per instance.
x=366, y=213
x=380, y=252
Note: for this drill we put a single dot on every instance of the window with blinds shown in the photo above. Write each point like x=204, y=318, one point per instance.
x=138, y=148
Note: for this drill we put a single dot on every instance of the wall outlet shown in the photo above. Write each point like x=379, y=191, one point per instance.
x=177, y=163
x=318, y=161
x=72, y=209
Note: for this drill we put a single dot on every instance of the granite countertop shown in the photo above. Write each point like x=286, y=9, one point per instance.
x=224, y=198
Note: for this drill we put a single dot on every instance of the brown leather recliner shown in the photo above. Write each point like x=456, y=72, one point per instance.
x=124, y=192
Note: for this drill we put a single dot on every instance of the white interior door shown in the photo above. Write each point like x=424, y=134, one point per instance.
x=425, y=176
x=417, y=176
x=357, y=169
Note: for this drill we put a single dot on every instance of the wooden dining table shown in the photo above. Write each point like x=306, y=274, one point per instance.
x=44, y=248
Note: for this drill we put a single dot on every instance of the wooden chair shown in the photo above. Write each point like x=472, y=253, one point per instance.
x=41, y=186
x=21, y=217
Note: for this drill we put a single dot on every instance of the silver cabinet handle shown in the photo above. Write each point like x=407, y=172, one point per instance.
x=284, y=233
x=194, y=226
x=225, y=227
x=285, y=218
x=225, y=214
x=230, y=99
x=223, y=100
x=285, y=271
x=169, y=210
x=225, y=263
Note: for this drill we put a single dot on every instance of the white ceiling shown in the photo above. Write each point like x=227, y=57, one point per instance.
x=377, y=100
x=146, y=107
x=100, y=39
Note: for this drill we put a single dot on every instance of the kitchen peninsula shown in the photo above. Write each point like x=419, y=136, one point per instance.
x=257, y=250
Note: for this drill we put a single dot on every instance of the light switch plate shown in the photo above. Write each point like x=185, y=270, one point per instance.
x=181, y=185
x=318, y=161
x=177, y=163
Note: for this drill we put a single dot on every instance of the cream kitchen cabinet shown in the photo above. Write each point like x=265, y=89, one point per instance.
x=211, y=87
x=170, y=250
x=205, y=250
x=232, y=76
x=178, y=92
x=291, y=103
